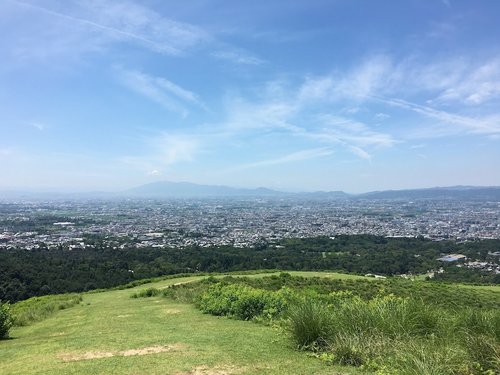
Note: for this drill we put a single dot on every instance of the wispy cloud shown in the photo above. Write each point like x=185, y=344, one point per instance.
x=154, y=172
x=354, y=132
x=450, y=80
x=305, y=113
x=160, y=90
x=289, y=158
x=71, y=29
x=127, y=21
x=37, y=125
x=476, y=85
x=172, y=149
x=5, y=152
x=164, y=151
x=483, y=125
x=238, y=57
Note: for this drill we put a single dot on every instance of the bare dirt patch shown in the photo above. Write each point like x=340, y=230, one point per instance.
x=172, y=311
x=220, y=370
x=70, y=357
x=150, y=350
x=57, y=334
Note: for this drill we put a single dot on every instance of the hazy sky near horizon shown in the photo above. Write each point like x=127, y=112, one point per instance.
x=293, y=95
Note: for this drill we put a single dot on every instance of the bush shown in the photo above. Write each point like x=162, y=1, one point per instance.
x=242, y=302
x=5, y=320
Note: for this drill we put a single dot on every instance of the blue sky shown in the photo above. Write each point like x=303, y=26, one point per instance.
x=293, y=95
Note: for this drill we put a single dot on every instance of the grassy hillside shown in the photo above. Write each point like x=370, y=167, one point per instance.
x=111, y=333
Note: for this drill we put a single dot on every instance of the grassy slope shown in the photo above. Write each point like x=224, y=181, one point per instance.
x=113, y=322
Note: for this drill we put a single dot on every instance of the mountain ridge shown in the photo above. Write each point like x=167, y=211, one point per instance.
x=169, y=189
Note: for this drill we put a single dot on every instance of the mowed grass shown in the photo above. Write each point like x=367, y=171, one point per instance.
x=111, y=333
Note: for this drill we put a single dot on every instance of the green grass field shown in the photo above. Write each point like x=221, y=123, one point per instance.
x=111, y=333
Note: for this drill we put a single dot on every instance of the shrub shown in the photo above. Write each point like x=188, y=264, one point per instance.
x=242, y=302
x=5, y=320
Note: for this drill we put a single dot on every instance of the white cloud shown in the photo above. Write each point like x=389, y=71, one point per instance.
x=382, y=116
x=289, y=158
x=319, y=88
x=238, y=57
x=420, y=145
x=37, y=125
x=360, y=152
x=58, y=32
x=304, y=114
x=450, y=80
x=103, y=22
x=372, y=76
x=477, y=84
x=176, y=148
x=482, y=125
x=270, y=115
x=164, y=151
x=353, y=132
x=160, y=90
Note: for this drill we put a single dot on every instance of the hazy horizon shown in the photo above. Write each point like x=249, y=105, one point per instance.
x=292, y=96
x=57, y=191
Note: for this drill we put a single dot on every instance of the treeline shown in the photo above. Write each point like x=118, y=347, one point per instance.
x=24, y=274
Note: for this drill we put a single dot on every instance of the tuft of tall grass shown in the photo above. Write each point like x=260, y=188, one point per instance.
x=426, y=357
x=388, y=315
x=149, y=292
x=310, y=324
x=38, y=308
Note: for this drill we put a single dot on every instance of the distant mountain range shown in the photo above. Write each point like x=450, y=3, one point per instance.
x=454, y=192
x=166, y=189
x=185, y=189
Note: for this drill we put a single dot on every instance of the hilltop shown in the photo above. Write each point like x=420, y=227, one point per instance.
x=110, y=332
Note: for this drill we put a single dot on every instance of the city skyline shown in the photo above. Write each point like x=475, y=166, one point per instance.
x=294, y=96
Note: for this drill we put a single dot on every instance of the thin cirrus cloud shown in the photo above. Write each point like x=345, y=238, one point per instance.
x=305, y=114
x=107, y=22
x=482, y=125
x=289, y=158
x=37, y=125
x=74, y=28
x=160, y=90
x=238, y=57
x=441, y=83
x=165, y=151
x=314, y=109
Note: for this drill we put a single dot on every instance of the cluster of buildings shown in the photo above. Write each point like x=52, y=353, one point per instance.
x=236, y=222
